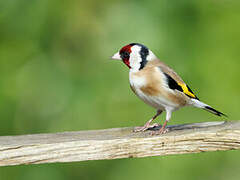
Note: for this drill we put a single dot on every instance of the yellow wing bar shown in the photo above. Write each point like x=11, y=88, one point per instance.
x=180, y=86
x=187, y=90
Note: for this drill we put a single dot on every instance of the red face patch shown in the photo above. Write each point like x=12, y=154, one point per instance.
x=126, y=48
x=125, y=54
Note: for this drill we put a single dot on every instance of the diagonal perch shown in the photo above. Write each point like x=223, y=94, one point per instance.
x=118, y=143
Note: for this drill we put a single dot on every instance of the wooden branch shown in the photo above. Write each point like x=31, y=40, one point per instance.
x=118, y=143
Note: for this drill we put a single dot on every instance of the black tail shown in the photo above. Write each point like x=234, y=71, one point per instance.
x=214, y=111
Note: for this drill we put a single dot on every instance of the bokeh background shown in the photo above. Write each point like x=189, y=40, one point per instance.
x=56, y=75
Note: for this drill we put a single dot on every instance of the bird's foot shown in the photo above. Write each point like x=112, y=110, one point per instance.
x=163, y=130
x=145, y=127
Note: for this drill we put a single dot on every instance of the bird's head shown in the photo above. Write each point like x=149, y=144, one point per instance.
x=135, y=56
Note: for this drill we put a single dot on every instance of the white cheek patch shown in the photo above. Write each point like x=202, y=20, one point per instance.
x=135, y=58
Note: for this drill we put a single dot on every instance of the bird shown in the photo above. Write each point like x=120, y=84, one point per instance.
x=157, y=85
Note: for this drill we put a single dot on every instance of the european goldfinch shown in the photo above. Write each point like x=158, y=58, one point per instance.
x=157, y=84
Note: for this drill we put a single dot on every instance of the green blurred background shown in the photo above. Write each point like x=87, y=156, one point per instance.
x=56, y=75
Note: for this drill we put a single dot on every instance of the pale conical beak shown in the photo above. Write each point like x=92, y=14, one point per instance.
x=116, y=56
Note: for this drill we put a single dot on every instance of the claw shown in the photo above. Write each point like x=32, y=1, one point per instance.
x=161, y=131
x=145, y=127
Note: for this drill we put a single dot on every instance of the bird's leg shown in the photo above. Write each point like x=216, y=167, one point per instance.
x=163, y=129
x=148, y=124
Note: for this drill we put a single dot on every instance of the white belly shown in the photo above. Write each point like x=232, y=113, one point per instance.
x=158, y=102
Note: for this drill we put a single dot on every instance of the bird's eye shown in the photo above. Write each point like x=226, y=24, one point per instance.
x=125, y=55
